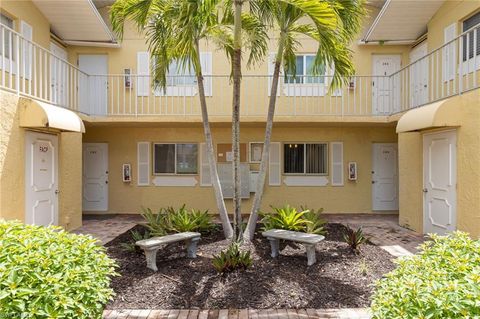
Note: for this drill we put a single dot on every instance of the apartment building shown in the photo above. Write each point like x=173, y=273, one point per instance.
x=85, y=131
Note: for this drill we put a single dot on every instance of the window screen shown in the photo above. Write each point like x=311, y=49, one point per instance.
x=187, y=158
x=293, y=158
x=305, y=158
x=469, y=43
x=6, y=44
x=304, y=71
x=316, y=158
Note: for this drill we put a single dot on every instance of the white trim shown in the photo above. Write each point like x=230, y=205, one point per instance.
x=277, y=163
x=174, y=180
x=305, y=180
x=249, y=152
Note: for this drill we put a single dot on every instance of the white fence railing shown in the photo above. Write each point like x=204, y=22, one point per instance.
x=30, y=70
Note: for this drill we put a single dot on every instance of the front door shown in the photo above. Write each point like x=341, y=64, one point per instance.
x=58, y=75
x=41, y=179
x=419, y=76
x=93, y=83
x=385, y=177
x=95, y=176
x=385, y=90
x=440, y=181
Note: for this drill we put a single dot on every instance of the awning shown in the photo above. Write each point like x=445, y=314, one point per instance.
x=36, y=114
x=425, y=117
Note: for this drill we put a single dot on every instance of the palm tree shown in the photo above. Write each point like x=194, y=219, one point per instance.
x=174, y=30
x=333, y=25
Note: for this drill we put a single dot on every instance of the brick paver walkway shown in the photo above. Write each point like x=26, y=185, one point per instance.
x=239, y=314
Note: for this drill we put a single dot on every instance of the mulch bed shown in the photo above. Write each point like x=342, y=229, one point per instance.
x=339, y=279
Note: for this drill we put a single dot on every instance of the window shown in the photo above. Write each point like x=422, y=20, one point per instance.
x=175, y=158
x=469, y=38
x=304, y=71
x=177, y=77
x=305, y=158
x=6, y=44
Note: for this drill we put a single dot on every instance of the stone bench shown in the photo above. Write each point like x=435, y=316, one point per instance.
x=308, y=240
x=152, y=245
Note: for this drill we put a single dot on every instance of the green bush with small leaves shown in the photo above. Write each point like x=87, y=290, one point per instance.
x=46, y=272
x=287, y=217
x=441, y=281
x=232, y=259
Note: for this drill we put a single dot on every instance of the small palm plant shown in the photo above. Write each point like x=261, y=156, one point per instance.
x=354, y=238
x=232, y=259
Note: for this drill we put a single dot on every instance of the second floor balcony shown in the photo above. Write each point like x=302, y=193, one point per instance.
x=30, y=70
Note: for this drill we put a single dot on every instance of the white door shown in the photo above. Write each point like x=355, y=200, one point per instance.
x=419, y=76
x=385, y=90
x=440, y=181
x=58, y=75
x=41, y=179
x=95, y=176
x=93, y=83
x=385, y=177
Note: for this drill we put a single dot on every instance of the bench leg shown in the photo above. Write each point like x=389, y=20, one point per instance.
x=192, y=247
x=151, y=256
x=275, y=244
x=311, y=254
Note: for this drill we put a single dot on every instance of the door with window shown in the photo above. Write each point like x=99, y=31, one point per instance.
x=384, y=177
x=93, y=83
x=440, y=181
x=385, y=89
x=95, y=176
x=419, y=75
x=58, y=75
x=41, y=179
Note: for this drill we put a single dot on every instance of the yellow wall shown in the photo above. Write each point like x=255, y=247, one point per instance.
x=462, y=110
x=354, y=197
x=12, y=167
x=28, y=12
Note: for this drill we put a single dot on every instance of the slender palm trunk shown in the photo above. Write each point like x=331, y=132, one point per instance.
x=257, y=200
x=222, y=210
x=237, y=77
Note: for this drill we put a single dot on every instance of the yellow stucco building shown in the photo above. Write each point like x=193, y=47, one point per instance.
x=83, y=131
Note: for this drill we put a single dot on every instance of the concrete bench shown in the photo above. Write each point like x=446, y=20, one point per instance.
x=308, y=240
x=152, y=245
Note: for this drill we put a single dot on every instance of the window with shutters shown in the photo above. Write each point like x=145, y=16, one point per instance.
x=471, y=40
x=304, y=72
x=6, y=37
x=305, y=158
x=170, y=158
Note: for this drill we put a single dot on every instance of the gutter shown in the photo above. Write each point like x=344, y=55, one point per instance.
x=115, y=45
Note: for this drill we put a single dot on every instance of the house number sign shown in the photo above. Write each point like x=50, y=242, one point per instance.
x=43, y=149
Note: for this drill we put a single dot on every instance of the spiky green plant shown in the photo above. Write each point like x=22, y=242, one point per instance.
x=354, y=238
x=286, y=217
x=232, y=259
x=155, y=223
x=135, y=236
x=184, y=220
x=315, y=223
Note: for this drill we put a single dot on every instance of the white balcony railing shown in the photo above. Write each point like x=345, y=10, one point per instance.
x=30, y=70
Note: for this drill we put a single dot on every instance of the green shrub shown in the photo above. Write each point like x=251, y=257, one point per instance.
x=441, y=281
x=184, y=220
x=155, y=223
x=287, y=217
x=50, y=273
x=232, y=259
x=136, y=236
x=354, y=238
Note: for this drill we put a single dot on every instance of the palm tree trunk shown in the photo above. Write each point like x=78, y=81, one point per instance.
x=222, y=210
x=237, y=74
x=257, y=200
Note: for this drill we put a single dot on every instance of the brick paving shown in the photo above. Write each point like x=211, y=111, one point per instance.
x=382, y=229
x=354, y=313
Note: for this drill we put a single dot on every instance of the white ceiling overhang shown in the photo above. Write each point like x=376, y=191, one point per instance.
x=75, y=20
x=402, y=20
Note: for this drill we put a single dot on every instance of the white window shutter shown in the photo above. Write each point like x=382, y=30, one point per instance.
x=271, y=69
x=274, y=162
x=449, y=56
x=143, y=163
x=337, y=163
x=205, y=177
x=206, y=64
x=143, y=72
x=27, y=50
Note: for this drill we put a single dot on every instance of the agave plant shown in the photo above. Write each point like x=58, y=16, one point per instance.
x=285, y=217
x=354, y=238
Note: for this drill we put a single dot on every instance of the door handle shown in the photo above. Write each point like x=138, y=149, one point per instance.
x=57, y=191
x=425, y=190
x=373, y=182
x=106, y=182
